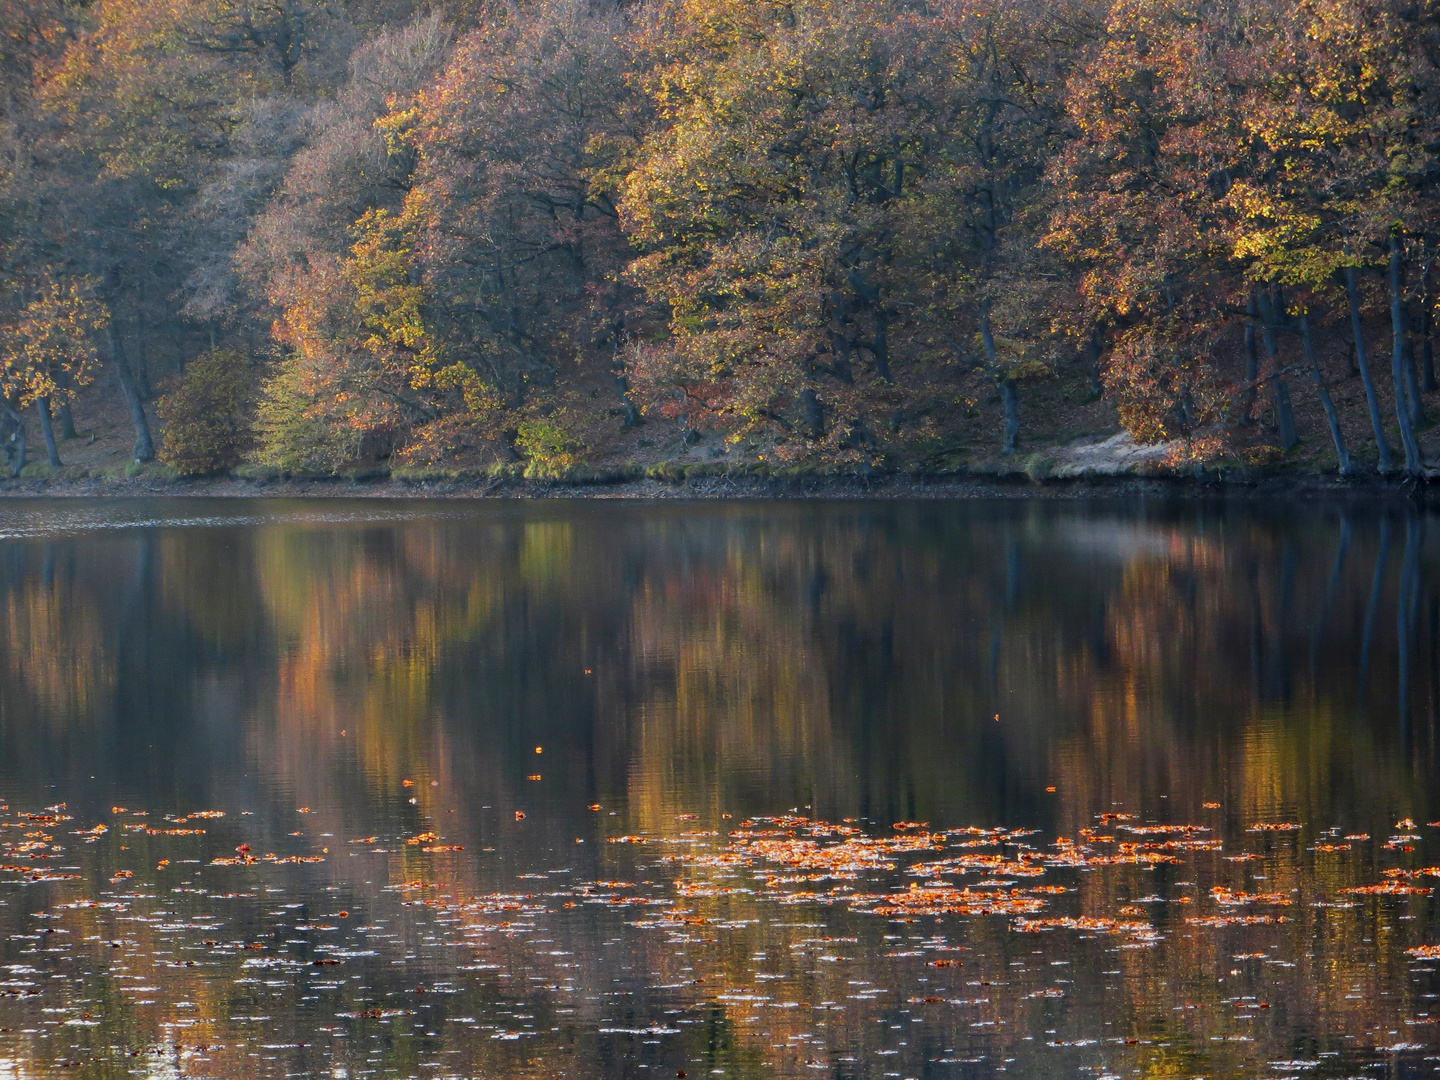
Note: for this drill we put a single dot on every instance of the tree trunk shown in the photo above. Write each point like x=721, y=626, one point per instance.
x=1412, y=388
x=1279, y=389
x=814, y=411
x=1008, y=392
x=67, y=421
x=144, y=445
x=1413, y=466
x=1252, y=364
x=16, y=451
x=633, y=419
x=1011, y=397
x=881, y=347
x=1285, y=415
x=1331, y=417
x=1377, y=423
x=1427, y=324
x=47, y=429
x=1097, y=390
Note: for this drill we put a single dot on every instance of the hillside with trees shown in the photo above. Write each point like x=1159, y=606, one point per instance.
x=547, y=235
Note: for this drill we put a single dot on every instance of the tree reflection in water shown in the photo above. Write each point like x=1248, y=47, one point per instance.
x=514, y=688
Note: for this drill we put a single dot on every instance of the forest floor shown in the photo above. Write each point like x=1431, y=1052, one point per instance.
x=1071, y=446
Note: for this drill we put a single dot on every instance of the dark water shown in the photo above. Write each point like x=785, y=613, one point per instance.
x=568, y=791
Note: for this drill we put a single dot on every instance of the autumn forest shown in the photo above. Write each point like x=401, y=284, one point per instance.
x=544, y=234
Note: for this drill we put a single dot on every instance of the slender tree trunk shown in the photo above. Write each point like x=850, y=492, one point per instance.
x=67, y=418
x=1413, y=466
x=1011, y=396
x=1009, y=393
x=882, y=345
x=814, y=410
x=17, y=438
x=1252, y=364
x=1412, y=388
x=1427, y=323
x=1097, y=390
x=1331, y=417
x=144, y=445
x=1279, y=389
x=47, y=429
x=633, y=419
x=1285, y=415
x=1372, y=399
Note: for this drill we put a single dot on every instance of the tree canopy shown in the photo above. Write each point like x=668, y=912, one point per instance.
x=818, y=229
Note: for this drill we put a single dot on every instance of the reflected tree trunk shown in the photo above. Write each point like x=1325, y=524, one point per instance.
x=1367, y=634
x=1336, y=572
x=1406, y=616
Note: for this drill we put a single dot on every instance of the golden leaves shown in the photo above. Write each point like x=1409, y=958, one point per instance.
x=49, y=350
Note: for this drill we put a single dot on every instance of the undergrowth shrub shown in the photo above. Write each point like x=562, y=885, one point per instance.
x=208, y=416
x=290, y=437
x=548, y=443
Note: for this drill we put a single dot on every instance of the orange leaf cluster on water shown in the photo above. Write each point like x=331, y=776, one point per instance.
x=1274, y=826
x=1218, y=921
x=1424, y=952
x=1096, y=925
x=997, y=865
x=1226, y=898
x=1071, y=855
x=1390, y=888
x=933, y=900
x=246, y=859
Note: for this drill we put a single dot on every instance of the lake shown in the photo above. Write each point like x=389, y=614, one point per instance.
x=631, y=790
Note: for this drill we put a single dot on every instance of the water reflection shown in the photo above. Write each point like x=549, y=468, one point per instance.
x=513, y=688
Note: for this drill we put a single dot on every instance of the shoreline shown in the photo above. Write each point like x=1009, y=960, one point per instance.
x=1017, y=485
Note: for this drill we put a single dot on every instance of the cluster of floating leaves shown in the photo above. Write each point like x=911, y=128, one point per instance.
x=169, y=910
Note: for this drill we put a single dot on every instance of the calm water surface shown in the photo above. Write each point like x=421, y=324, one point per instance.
x=348, y=789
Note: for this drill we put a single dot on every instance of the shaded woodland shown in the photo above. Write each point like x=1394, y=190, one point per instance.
x=543, y=233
